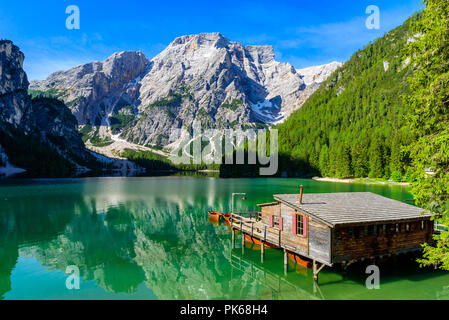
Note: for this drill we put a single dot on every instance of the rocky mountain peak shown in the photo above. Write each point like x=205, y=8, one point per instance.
x=13, y=77
x=262, y=54
x=203, y=77
x=46, y=120
x=318, y=74
x=15, y=105
x=211, y=39
x=92, y=90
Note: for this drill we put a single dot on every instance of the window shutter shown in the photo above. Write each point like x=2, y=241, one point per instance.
x=294, y=223
x=281, y=223
x=271, y=221
x=305, y=226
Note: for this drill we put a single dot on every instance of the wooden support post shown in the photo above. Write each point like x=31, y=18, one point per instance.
x=285, y=262
x=317, y=269
x=265, y=233
x=243, y=242
x=233, y=238
x=262, y=251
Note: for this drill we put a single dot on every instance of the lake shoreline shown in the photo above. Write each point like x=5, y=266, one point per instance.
x=360, y=181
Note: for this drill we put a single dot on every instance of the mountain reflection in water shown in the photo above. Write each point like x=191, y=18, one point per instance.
x=150, y=238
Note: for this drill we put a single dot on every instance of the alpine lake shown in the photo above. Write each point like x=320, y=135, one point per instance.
x=150, y=238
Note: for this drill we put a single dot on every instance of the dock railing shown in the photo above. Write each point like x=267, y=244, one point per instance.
x=250, y=223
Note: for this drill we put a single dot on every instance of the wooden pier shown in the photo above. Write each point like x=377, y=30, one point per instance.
x=251, y=225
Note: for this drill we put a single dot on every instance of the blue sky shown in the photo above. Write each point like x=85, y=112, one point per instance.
x=303, y=33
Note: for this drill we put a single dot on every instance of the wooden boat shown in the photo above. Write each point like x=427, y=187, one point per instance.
x=227, y=217
x=215, y=216
x=253, y=240
x=300, y=261
x=258, y=242
x=213, y=221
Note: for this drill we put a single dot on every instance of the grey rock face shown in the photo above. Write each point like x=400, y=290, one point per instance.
x=15, y=105
x=49, y=119
x=318, y=74
x=57, y=125
x=92, y=90
x=205, y=78
x=217, y=82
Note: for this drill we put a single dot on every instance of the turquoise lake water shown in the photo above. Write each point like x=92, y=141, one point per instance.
x=150, y=238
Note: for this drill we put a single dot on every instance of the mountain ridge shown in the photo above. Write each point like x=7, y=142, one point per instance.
x=39, y=134
x=204, y=77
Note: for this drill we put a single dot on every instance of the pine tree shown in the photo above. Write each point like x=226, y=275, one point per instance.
x=429, y=121
x=396, y=161
x=324, y=161
x=343, y=165
x=376, y=158
x=360, y=158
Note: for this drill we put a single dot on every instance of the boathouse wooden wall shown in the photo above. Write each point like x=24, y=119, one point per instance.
x=268, y=210
x=320, y=240
x=294, y=240
x=316, y=243
x=356, y=242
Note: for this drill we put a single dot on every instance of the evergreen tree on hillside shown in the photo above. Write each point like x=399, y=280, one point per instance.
x=429, y=121
x=324, y=161
x=354, y=124
x=376, y=158
x=360, y=157
x=343, y=162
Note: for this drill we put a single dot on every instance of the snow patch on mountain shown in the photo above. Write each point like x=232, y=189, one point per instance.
x=266, y=112
x=8, y=169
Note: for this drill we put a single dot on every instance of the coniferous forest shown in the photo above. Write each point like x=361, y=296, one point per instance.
x=354, y=125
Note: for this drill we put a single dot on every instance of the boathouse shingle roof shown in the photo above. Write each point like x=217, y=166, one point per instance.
x=351, y=207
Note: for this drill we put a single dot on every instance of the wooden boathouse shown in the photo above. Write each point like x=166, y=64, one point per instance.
x=335, y=228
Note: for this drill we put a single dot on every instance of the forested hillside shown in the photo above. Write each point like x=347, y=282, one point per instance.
x=354, y=124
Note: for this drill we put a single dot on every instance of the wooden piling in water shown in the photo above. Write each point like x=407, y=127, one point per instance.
x=262, y=251
x=285, y=262
x=316, y=269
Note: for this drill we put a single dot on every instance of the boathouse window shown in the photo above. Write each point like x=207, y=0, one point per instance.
x=375, y=229
x=407, y=227
x=397, y=228
x=299, y=224
x=276, y=221
x=365, y=231
x=384, y=229
x=423, y=225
